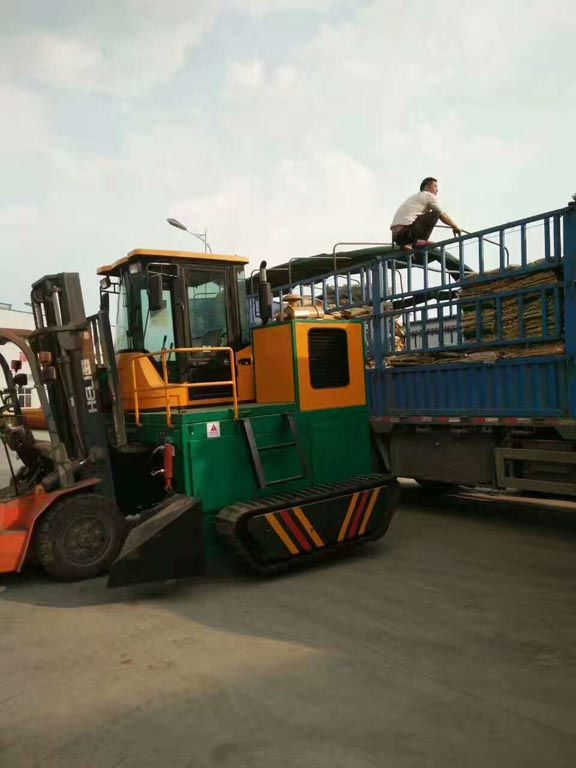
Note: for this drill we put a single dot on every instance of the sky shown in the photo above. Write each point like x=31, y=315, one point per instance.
x=282, y=126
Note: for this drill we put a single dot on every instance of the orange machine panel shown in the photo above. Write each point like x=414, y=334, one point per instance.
x=274, y=364
x=245, y=375
x=313, y=398
x=151, y=394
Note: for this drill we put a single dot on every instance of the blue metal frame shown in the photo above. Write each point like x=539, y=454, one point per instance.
x=423, y=290
x=570, y=303
x=534, y=387
x=339, y=283
x=435, y=300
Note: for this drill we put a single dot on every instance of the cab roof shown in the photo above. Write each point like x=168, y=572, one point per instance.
x=141, y=254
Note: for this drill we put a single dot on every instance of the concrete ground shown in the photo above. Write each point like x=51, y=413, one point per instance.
x=450, y=643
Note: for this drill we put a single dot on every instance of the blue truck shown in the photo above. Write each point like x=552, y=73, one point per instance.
x=472, y=349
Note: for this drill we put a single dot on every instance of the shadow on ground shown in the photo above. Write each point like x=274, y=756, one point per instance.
x=520, y=517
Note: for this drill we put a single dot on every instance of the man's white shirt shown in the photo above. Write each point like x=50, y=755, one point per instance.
x=414, y=206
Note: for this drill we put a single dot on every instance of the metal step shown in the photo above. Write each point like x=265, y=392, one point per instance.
x=256, y=451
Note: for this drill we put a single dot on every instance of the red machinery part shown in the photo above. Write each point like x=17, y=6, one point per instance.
x=169, y=452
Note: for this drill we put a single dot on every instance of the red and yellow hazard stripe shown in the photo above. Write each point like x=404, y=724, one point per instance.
x=296, y=532
x=281, y=533
x=293, y=537
x=349, y=513
x=369, y=510
x=358, y=514
x=308, y=527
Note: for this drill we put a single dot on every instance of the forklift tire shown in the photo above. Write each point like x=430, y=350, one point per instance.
x=79, y=537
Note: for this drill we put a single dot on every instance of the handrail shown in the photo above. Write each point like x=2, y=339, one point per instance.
x=492, y=242
x=393, y=255
x=167, y=386
x=419, y=304
x=434, y=278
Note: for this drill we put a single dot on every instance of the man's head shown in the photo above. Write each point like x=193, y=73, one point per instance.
x=430, y=184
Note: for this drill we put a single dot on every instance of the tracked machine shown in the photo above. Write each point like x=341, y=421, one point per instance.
x=195, y=436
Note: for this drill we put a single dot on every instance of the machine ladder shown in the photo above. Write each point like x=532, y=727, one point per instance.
x=256, y=452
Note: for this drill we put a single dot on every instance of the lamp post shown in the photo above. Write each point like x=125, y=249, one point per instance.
x=199, y=235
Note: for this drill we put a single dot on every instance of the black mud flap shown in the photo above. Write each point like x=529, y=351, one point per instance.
x=167, y=544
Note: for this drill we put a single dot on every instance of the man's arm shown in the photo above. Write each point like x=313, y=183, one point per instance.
x=445, y=219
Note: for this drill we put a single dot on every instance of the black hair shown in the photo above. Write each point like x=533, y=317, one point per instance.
x=427, y=180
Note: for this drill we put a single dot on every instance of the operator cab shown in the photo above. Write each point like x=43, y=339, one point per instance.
x=178, y=300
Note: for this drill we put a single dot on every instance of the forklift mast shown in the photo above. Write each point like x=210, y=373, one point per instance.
x=68, y=345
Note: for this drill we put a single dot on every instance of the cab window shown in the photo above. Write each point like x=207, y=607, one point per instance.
x=206, y=290
x=158, y=326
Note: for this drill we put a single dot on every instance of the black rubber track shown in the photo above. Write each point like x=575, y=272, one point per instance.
x=231, y=522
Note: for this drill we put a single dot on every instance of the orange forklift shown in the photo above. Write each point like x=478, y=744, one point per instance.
x=48, y=484
x=59, y=506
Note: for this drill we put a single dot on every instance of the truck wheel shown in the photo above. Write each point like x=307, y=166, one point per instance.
x=79, y=537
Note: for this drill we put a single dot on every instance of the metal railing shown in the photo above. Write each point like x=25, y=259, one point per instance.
x=339, y=288
x=167, y=386
x=424, y=288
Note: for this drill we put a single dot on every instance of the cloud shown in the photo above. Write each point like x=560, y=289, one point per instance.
x=24, y=127
x=18, y=216
x=269, y=7
x=302, y=206
x=246, y=74
x=122, y=53
x=283, y=148
x=465, y=99
x=247, y=78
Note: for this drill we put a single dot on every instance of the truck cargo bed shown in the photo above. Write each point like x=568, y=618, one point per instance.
x=534, y=387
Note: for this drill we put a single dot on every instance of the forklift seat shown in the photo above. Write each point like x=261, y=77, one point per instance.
x=21, y=440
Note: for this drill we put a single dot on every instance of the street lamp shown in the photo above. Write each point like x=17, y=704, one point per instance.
x=200, y=235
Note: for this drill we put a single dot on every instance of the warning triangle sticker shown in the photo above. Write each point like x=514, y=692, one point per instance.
x=213, y=429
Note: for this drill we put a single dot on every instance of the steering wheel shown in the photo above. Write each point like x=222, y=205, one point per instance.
x=9, y=404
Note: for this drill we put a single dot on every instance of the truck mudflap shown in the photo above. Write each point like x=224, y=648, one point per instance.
x=168, y=543
x=277, y=533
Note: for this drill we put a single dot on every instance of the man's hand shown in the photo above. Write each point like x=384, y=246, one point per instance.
x=445, y=219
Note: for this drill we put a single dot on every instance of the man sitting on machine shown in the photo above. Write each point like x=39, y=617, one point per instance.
x=418, y=215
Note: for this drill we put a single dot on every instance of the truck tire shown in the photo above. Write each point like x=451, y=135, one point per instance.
x=79, y=537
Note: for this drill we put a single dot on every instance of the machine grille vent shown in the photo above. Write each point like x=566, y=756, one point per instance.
x=328, y=354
